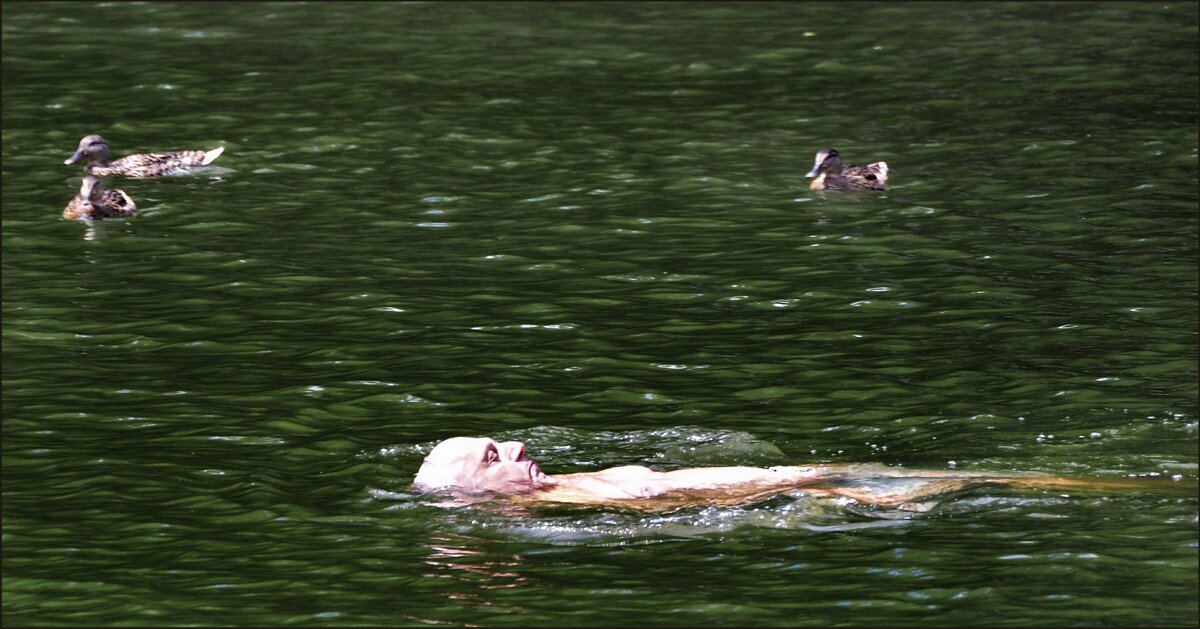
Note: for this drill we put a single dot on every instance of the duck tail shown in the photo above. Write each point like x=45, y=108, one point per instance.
x=881, y=170
x=210, y=156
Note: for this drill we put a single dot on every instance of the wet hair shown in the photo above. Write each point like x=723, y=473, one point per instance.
x=432, y=478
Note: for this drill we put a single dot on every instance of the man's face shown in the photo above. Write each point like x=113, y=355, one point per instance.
x=479, y=464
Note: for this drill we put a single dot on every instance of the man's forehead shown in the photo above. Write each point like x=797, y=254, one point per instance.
x=456, y=447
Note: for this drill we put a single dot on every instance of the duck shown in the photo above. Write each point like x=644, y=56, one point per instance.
x=95, y=202
x=831, y=174
x=141, y=165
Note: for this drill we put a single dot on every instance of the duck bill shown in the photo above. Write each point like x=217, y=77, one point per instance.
x=74, y=158
x=814, y=172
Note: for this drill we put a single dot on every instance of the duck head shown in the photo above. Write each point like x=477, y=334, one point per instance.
x=93, y=147
x=828, y=161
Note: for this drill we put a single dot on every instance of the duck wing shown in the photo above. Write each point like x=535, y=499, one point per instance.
x=872, y=176
x=143, y=165
x=114, y=203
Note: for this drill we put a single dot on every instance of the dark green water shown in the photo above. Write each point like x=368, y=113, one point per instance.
x=585, y=226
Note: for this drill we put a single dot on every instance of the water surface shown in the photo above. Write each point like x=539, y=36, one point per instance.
x=585, y=226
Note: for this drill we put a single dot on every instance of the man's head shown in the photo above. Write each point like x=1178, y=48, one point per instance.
x=479, y=464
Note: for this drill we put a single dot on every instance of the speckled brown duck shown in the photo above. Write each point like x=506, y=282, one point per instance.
x=829, y=173
x=96, y=202
x=94, y=149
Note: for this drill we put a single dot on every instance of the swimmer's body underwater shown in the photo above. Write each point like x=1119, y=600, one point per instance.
x=477, y=466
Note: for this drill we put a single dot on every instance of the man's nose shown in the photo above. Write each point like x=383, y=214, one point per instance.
x=513, y=450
